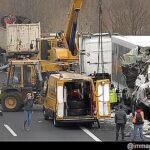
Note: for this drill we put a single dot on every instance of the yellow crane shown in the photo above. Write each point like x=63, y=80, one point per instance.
x=25, y=75
x=64, y=46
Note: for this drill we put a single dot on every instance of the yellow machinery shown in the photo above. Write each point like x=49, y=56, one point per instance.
x=64, y=46
x=23, y=76
x=71, y=97
x=62, y=56
x=67, y=97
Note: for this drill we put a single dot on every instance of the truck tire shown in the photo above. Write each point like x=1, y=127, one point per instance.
x=11, y=102
x=77, y=104
x=46, y=117
x=77, y=112
x=88, y=124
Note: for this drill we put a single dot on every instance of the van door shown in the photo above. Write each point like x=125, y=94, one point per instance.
x=60, y=100
x=102, y=98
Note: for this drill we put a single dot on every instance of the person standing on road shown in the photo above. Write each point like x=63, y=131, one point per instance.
x=120, y=120
x=28, y=106
x=138, y=121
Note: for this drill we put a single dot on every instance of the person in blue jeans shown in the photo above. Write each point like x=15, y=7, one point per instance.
x=28, y=107
x=138, y=121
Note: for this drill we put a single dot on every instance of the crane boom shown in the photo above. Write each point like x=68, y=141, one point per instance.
x=71, y=26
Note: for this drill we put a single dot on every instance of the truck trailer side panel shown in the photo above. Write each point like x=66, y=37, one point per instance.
x=88, y=45
x=19, y=37
x=3, y=39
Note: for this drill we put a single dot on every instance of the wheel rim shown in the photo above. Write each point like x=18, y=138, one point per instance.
x=10, y=102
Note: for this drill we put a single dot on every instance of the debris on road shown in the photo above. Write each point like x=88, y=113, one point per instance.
x=12, y=19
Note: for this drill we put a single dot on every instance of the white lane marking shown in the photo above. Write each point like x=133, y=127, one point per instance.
x=10, y=130
x=148, y=136
x=91, y=134
x=40, y=121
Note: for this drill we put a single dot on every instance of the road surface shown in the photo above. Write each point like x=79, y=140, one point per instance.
x=11, y=129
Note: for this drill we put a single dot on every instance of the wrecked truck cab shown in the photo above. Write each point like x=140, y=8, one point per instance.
x=136, y=68
x=72, y=97
x=135, y=63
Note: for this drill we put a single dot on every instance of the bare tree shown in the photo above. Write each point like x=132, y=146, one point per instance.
x=121, y=16
x=125, y=16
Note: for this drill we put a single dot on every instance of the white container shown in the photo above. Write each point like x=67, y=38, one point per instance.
x=19, y=37
x=89, y=58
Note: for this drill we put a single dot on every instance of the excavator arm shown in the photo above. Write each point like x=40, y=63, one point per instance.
x=71, y=26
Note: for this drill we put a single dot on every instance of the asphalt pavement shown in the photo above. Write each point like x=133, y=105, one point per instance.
x=11, y=129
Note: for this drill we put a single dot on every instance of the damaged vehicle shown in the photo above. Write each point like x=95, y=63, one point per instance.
x=136, y=68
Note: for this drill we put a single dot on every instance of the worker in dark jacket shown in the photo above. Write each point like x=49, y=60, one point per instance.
x=28, y=106
x=120, y=120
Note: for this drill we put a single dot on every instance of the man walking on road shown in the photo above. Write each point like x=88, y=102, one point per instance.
x=120, y=120
x=138, y=121
x=28, y=106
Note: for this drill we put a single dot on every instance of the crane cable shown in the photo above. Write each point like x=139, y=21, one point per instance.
x=100, y=41
x=100, y=51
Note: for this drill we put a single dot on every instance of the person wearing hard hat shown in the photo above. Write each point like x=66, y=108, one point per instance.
x=113, y=97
